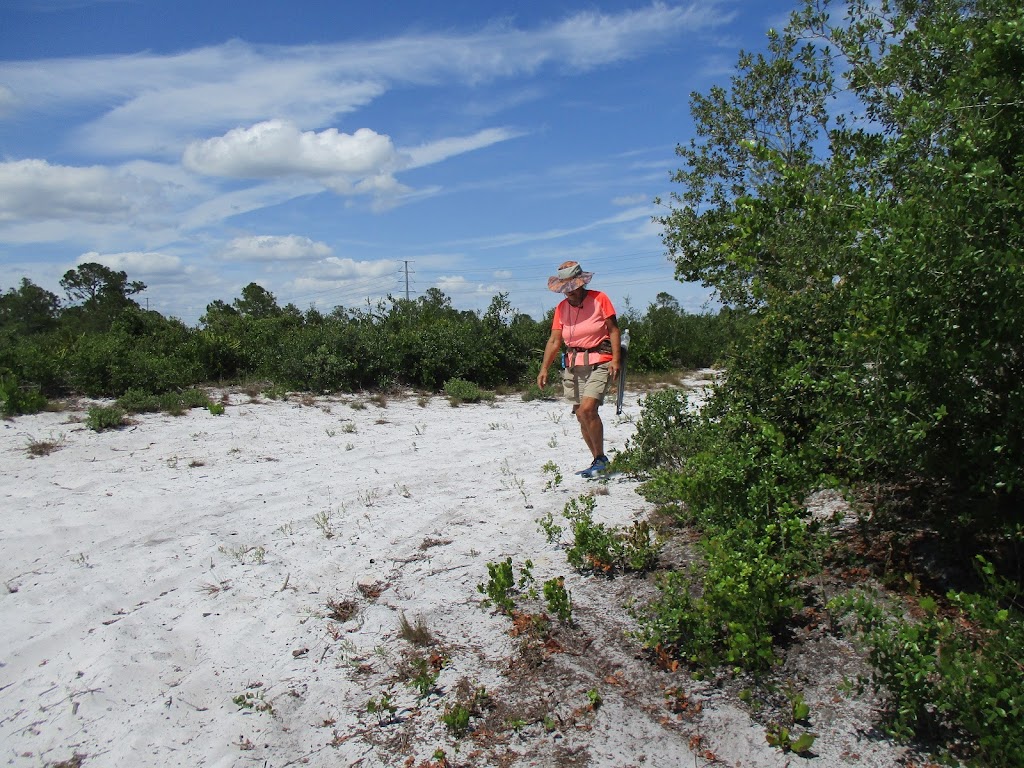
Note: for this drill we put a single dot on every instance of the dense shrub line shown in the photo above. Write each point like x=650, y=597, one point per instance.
x=109, y=346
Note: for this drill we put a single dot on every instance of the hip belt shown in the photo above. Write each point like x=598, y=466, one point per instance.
x=570, y=359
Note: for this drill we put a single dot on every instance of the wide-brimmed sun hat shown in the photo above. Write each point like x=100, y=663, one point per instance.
x=570, y=277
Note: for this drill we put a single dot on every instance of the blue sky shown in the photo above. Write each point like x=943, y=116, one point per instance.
x=321, y=148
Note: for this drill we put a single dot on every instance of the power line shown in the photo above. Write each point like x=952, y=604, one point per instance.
x=405, y=262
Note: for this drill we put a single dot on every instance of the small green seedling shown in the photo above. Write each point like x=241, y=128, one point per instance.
x=456, y=720
x=550, y=468
x=383, y=707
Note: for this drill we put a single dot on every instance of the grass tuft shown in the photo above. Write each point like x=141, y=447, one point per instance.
x=37, y=448
x=418, y=633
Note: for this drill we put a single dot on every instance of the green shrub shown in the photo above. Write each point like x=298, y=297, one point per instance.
x=595, y=546
x=102, y=417
x=456, y=719
x=35, y=360
x=17, y=400
x=174, y=403
x=501, y=587
x=131, y=358
x=533, y=392
x=528, y=383
x=171, y=403
x=276, y=392
x=558, y=599
x=733, y=611
x=195, y=398
x=664, y=435
x=461, y=391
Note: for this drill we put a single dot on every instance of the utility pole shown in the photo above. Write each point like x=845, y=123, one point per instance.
x=406, y=269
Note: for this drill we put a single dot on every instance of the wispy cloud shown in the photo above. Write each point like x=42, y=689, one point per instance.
x=435, y=152
x=631, y=200
x=520, y=238
x=149, y=104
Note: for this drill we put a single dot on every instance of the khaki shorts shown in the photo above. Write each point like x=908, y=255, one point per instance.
x=585, y=381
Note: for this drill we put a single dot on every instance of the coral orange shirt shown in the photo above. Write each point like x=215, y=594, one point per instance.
x=584, y=327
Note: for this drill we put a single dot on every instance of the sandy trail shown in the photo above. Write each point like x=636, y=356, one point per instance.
x=169, y=590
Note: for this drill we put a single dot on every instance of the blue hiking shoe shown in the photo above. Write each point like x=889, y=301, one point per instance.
x=599, y=467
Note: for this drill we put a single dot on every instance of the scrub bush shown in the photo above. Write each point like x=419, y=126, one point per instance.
x=461, y=391
x=16, y=400
x=100, y=418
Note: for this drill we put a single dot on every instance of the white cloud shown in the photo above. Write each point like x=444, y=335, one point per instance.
x=278, y=148
x=629, y=214
x=275, y=248
x=7, y=100
x=95, y=205
x=341, y=281
x=158, y=104
x=334, y=268
x=382, y=185
x=197, y=108
x=226, y=130
x=348, y=164
x=35, y=189
x=135, y=263
x=589, y=39
x=457, y=286
x=644, y=230
x=361, y=163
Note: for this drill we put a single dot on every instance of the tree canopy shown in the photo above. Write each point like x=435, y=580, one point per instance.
x=860, y=185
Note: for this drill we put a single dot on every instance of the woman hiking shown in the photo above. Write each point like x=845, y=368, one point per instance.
x=585, y=322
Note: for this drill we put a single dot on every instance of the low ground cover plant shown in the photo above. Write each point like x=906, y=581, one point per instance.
x=460, y=391
x=597, y=548
x=383, y=707
x=102, y=417
x=558, y=599
x=952, y=673
x=174, y=403
x=472, y=702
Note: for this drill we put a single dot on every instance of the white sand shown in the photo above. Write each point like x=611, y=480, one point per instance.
x=156, y=573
